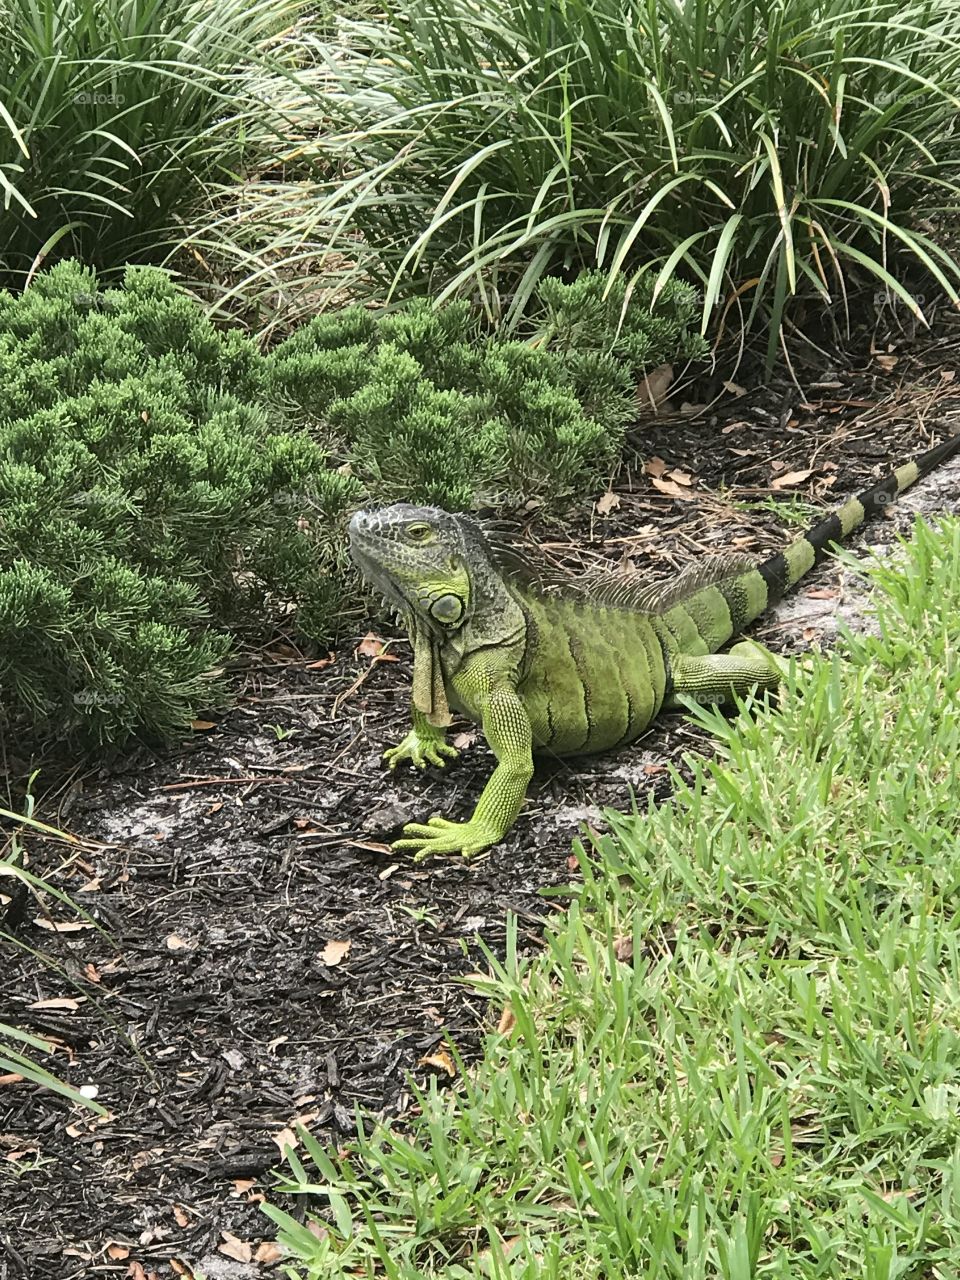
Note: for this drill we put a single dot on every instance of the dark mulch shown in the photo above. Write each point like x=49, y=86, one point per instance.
x=224, y=868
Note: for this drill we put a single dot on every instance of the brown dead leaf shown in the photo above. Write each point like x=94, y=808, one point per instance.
x=11, y=1078
x=623, y=949
x=733, y=426
x=267, y=1253
x=91, y=973
x=651, y=770
x=439, y=1061
x=181, y=1269
x=284, y=1139
x=681, y=477
x=135, y=1271
x=61, y=926
x=822, y=593
x=654, y=467
x=655, y=385
x=67, y=1003
x=791, y=478
x=508, y=1020
x=321, y=662
x=466, y=738
x=573, y=862
x=734, y=389
x=387, y=872
x=607, y=503
x=887, y=362
x=176, y=943
x=235, y=1248
x=181, y=1217
x=671, y=489
x=91, y=886
x=335, y=951
x=242, y=1185
x=117, y=1252
x=371, y=646
x=201, y=726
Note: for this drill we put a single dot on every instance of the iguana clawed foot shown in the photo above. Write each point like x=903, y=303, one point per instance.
x=421, y=749
x=439, y=836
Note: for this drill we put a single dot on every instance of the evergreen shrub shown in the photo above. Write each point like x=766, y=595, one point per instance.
x=148, y=503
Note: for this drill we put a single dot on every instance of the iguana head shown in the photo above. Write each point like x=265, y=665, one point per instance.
x=425, y=561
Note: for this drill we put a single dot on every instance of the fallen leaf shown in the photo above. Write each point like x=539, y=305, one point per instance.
x=181, y=1218
x=136, y=1272
x=334, y=952
x=681, y=477
x=242, y=1185
x=508, y=1020
x=91, y=973
x=61, y=926
x=234, y=1248
x=733, y=426
x=321, y=662
x=653, y=389
x=59, y=1002
x=181, y=1269
x=822, y=593
x=370, y=646
x=465, y=739
x=273, y=1045
x=11, y=1078
x=655, y=466
x=607, y=503
x=268, y=1252
x=791, y=478
x=91, y=886
x=202, y=725
x=387, y=872
x=284, y=1139
x=176, y=943
x=573, y=862
x=440, y=1061
x=671, y=489
x=887, y=362
x=117, y=1252
x=623, y=949
x=734, y=389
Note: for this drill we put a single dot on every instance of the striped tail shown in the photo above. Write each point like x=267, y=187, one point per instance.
x=710, y=604
x=783, y=571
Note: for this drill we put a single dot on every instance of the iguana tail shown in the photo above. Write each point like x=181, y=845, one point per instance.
x=726, y=596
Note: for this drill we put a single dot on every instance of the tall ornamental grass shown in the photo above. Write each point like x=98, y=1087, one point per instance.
x=764, y=149
x=116, y=114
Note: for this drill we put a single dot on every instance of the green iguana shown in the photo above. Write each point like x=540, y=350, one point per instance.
x=563, y=665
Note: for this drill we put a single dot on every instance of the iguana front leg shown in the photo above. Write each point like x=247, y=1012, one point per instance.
x=425, y=744
x=506, y=727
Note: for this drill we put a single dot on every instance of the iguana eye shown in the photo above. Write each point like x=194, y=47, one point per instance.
x=419, y=532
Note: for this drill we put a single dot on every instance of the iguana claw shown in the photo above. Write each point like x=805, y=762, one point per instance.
x=440, y=836
x=421, y=750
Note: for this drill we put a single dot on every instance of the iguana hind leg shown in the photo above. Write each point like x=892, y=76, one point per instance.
x=717, y=677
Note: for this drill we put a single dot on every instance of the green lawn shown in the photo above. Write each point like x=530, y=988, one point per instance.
x=739, y=1054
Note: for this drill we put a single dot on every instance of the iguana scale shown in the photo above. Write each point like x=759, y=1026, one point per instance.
x=566, y=666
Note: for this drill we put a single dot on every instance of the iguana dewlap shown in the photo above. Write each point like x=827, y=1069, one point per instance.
x=567, y=666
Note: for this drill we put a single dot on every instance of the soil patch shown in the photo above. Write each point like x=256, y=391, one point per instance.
x=275, y=961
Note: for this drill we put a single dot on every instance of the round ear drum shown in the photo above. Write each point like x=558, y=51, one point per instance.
x=447, y=609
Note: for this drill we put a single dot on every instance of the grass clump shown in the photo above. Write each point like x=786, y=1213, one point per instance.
x=149, y=505
x=765, y=150
x=739, y=1055
x=117, y=114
